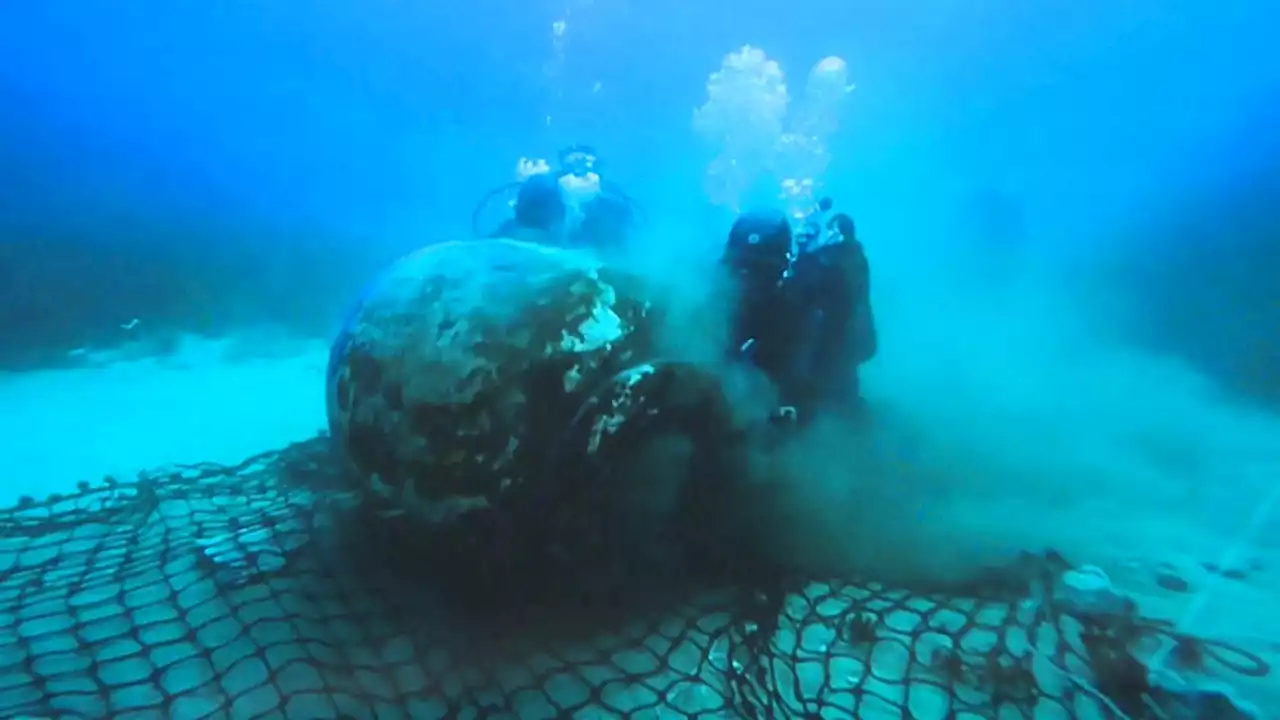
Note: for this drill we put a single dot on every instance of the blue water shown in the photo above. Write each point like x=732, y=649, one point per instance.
x=217, y=140
x=1069, y=209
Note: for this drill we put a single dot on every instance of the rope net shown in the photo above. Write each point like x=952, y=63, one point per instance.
x=251, y=592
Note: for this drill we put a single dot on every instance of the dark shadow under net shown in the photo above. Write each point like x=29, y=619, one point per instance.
x=229, y=592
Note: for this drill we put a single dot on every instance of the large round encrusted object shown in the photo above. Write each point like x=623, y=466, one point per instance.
x=473, y=372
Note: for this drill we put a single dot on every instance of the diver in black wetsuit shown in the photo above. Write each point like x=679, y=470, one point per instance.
x=601, y=214
x=758, y=257
x=832, y=281
x=815, y=223
x=538, y=214
x=572, y=207
x=804, y=314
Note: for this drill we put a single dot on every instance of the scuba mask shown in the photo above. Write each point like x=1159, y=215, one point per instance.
x=578, y=160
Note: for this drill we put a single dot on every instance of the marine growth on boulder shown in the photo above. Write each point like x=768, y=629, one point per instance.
x=503, y=382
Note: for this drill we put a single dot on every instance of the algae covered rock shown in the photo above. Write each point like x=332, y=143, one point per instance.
x=492, y=375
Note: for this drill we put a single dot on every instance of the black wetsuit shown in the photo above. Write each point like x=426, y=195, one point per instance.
x=833, y=288
x=806, y=324
x=757, y=258
x=607, y=221
x=540, y=214
x=539, y=211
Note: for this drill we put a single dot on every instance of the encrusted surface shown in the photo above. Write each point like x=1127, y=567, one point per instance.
x=463, y=360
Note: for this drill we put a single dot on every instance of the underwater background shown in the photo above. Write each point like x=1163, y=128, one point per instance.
x=1071, y=212
x=207, y=166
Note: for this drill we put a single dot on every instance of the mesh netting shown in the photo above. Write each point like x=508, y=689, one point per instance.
x=225, y=592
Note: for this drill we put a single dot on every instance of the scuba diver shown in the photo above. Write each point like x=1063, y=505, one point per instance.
x=804, y=315
x=833, y=280
x=815, y=224
x=538, y=214
x=572, y=206
x=758, y=257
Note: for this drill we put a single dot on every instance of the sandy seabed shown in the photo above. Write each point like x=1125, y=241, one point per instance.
x=204, y=403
